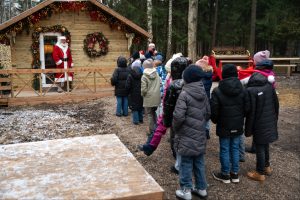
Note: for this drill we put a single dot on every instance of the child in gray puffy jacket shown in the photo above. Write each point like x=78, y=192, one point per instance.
x=192, y=110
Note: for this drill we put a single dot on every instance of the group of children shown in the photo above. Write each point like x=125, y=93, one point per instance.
x=188, y=105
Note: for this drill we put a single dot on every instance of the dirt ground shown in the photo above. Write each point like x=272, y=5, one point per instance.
x=26, y=124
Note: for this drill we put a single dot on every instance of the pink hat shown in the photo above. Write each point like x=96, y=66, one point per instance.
x=261, y=56
x=203, y=62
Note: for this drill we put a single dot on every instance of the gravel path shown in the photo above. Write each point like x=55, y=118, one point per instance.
x=25, y=124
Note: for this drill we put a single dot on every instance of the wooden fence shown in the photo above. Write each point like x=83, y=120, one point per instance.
x=288, y=65
x=17, y=85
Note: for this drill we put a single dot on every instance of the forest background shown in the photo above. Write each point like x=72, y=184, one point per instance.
x=202, y=25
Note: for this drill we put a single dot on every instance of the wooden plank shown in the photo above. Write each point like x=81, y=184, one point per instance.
x=285, y=59
x=94, y=167
x=3, y=100
x=4, y=80
x=236, y=61
x=285, y=65
x=5, y=88
x=231, y=57
x=57, y=98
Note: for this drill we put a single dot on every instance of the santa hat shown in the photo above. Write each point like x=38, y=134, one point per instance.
x=142, y=55
x=261, y=56
x=62, y=38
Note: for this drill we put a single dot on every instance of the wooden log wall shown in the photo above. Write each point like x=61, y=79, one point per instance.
x=79, y=25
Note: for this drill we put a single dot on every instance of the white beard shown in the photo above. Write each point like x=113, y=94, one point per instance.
x=63, y=46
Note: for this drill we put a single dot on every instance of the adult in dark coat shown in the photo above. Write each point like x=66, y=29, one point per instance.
x=118, y=80
x=133, y=85
x=261, y=122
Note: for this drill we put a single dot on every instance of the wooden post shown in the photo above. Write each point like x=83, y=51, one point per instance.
x=95, y=82
x=68, y=84
x=40, y=81
x=12, y=88
x=289, y=71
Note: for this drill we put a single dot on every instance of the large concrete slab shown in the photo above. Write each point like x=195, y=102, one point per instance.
x=94, y=167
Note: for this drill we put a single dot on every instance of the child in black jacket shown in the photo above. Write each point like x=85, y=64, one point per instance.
x=229, y=106
x=118, y=80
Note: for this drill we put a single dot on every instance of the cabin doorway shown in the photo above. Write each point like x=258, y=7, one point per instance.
x=47, y=42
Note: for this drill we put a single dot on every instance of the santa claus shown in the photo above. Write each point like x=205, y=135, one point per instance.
x=63, y=60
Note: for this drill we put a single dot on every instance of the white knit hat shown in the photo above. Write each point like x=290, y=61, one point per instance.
x=168, y=64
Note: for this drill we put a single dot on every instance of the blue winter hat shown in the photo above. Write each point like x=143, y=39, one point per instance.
x=159, y=57
x=265, y=64
x=193, y=73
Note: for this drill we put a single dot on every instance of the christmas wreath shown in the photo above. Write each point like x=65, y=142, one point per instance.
x=95, y=44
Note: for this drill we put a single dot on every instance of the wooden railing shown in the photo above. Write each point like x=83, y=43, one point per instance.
x=18, y=80
x=287, y=63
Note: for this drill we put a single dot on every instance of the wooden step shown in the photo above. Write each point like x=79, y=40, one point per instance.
x=3, y=101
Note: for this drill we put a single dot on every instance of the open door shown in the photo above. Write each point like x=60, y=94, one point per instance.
x=47, y=42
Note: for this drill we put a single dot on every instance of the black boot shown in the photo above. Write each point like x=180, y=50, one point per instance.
x=70, y=86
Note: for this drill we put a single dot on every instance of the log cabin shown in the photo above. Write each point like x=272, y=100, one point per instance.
x=97, y=36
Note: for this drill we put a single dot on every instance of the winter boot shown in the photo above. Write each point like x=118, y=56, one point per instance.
x=254, y=175
x=268, y=171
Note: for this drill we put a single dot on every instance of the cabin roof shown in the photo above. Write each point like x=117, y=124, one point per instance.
x=104, y=8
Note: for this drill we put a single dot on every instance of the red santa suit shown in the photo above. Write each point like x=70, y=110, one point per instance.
x=63, y=60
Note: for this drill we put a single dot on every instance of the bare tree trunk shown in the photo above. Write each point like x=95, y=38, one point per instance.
x=192, y=29
x=214, y=31
x=169, y=43
x=25, y=5
x=252, y=27
x=29, y=4
x=149, y=17
x=290, y=46
x=2, y=11
x=10, y=12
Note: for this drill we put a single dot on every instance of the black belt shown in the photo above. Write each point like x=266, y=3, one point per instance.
x=64, y=59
